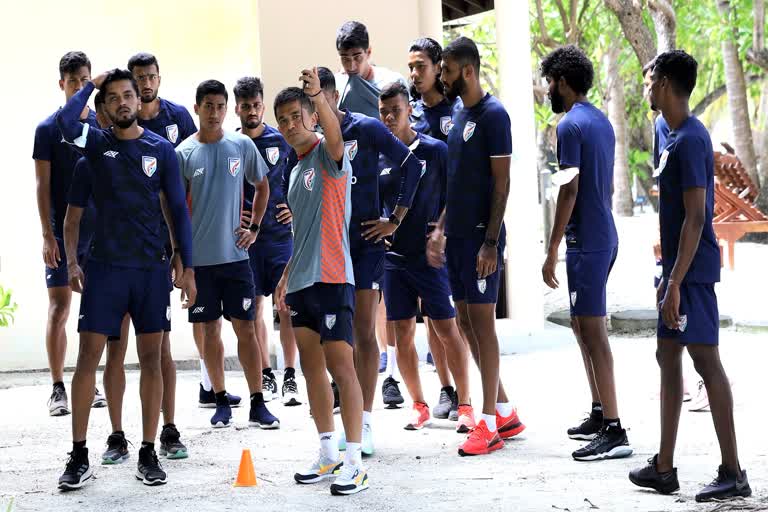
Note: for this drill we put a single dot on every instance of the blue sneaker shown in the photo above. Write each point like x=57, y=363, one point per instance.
x=207, y=399
x=222, y=417
x=262, y=418
x=383, y=362
x=430, y=361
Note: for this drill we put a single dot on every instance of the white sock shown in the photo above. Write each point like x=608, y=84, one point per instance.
x=205, y=380
x=367, y=418
x=504, y=409
x=490, y=422
x=353, y=456
x=391, y=361
x=329, y=445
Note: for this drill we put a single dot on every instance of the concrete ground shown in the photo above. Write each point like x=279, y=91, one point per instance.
x=410, y=470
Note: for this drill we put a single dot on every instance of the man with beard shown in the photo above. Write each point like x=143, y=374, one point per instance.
x=585, y=147
x=132, y=169
x=471, y=232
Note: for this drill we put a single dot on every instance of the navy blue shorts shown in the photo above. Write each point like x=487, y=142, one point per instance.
x=700, y=319
x=111, y=291
x=223, y=289
x=406, y=281
x=267, y=264
x=324, y=308
x=368, y=267
x=57, y=277
x=587, y=280
x=461, y=255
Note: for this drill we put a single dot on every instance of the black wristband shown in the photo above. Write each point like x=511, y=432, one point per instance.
x=490, y=242
x=176, y=250
x=393, y=219
x=254, y=228
x=316, y=94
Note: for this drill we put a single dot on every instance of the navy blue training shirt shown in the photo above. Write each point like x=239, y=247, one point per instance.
x=689, y=164
x=434, y=121
x=125, y=179
x=478, y=133
x=410, y=239
x=172, y=121
x=585, y=140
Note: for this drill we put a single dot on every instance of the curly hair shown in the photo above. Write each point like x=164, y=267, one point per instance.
x=680, y=69
x=571, y=63
x=248, y=87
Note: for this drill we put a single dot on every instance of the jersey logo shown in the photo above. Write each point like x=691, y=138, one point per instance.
x=469, y=130
x=246, y=304
x=198, y=172
x=351, y=149
x=374, y=285
x=446, y=123
x=111, y=154
x=198, y=310
x=234, y=166
x=168, y=313
x=172, y=131
x=573, y=298
x=662, y=163
x=482, y=285
x=272, y=155
x=294, y=313
x=423, y=167
x=385, y=172
x=309, y=179
x=330, y=321
x=149, y=165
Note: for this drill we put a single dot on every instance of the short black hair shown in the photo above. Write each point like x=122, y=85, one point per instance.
x=73, y=61
x=327, y=80
x=248, y=87
x=210, y=87
x=464, y=51
x=680, y=68
x=394, y=89
x=435, y=53
x=99, y=98
x=291, y=94
x=142, y=59
x=649, y=66
x=117, y=75
x=352, y=34
x=571, y=63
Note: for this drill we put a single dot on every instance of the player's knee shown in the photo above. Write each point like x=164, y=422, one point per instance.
x=464, y=323
x=58, y=311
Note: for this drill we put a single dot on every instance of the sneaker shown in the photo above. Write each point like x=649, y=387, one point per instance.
x=430, y=359
x=207, y=399
x=700, y=402
x=481, y=441
x=171, y=446
x=726, y=485
x=58, y=403
x=453, y=414
x=510, y=426
x=650, y=477
x=117, y=449
x=443, y=408
x=77, y=472
x=149, y=470
x=99, y=400
x=336, y=398
x=390, y=392
x=366, y=447
x=382, y=362
x=222, y=417
x=262, y=418
x=290, y=391
x=322, y=469
x=588, y=429
x=466, y=419
x=609, y=443
x=269, y=387
x=420, y=416
x=351, y=479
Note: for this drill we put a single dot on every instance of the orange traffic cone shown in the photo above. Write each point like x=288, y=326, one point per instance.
x=245, y=475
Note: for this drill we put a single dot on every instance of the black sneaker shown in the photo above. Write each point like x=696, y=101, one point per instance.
x=207, y=399
x=443, y=408
x=588, y=429
x=726, y=485
x=336, y=399
x=171, y=446
x=269, y=387
x=453, y=415
x=290, y=391
x=149, y=470
x=649, y=476
x=77, y=472
x=609, y=443
x=390, y=392
x=117, y=449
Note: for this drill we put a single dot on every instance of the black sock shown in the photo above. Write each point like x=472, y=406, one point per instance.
x=257, y=398
x=78, y=446
x=449, y=390
x=168, y=425
x=267, y=371
x=119, y=433
x=289, y=373
x=145, y=445
x=612, y=422
x=59, y=384
x=597, y=411
x=221, y=397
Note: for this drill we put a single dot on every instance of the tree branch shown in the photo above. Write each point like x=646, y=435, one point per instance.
x=665, y=22
x=718, y=92
x=584, y=7
x=758, y=33
x=544, y=38
x=630, y=17
x=563, y=15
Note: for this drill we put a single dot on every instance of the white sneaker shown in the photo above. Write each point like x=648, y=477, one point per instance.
x=58, y=404
x=322, y=469
x=266, y=388
x=99, y=400
x=701, y=401
x=290, y=392
x=351, y=480
x=367, y=444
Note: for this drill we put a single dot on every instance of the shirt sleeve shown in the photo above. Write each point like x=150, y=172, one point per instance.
x=175, y=197
x=499, y=133
x=255, y=166
x=442, y=168
x=568, y=145
x=331, y=165
x=397, y=152
x=80, y=189
x=43, y=148
x=690, y=156
x=84, y=137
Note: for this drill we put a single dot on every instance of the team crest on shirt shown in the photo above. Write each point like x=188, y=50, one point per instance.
x=149, y=165
x=246, y=304
x=351, y=148
x=330, y=321
x=573, y=298
x=482, y=285
x=309, y=179
x=469, y=130
x=423, y=166
x=662, y=163
x=446, y=123
x=172, y=130
x=273, y=154
x=234, y=166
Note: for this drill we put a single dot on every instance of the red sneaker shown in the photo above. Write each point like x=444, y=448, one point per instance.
x=510, y=426
x=420, y=416
x=481, y=441
x=466, y=419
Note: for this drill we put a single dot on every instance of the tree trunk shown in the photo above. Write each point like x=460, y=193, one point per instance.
x=737, y=97
x=617, y=113
x=665, y=23
x=630, y=16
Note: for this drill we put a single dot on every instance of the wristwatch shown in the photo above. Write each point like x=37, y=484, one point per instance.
x=490, y=242
x=394, y=219
x=254, y=228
